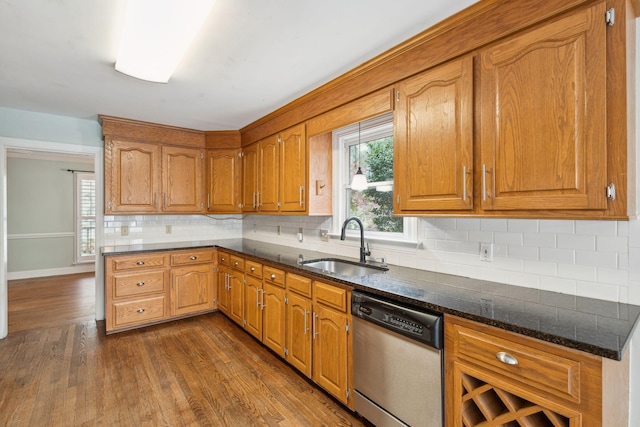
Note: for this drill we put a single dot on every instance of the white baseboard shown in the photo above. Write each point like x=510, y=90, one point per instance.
x=81, y=268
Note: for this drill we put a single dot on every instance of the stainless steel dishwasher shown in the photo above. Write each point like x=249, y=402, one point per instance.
x=397, y=363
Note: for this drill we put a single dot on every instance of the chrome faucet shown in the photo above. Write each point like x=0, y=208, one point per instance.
x=363, y=251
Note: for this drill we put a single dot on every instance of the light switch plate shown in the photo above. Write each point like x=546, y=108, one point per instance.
x=324, y=235
x=124, y=230
x=486, y=252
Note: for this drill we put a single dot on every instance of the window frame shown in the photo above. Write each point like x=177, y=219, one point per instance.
x=364, y=131
x=78, y=178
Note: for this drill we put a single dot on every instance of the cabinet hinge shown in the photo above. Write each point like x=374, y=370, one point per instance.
x=109, y=205
x=201, y=205
x=244, y=322
x=240, y=205
x=398, y=96
x=244, y=281
x=278, y=204
x=279, y=140
x=240, y=154
x=286, y=300
x=347, y=327
x=348, y=394
x=286, y=351
x=611, y=191
x=201, y=155
x=610, y=17
x=110, y=145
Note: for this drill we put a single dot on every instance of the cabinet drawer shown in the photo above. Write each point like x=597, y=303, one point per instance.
x=138, y=262
x=138, y=284
x=192, y=257
x=237, y=263
x=540, y=369
x=273, y=275
x=138, y=311
x=224, y=258
x=298, y=284
x=253, y=268
x=331, y=296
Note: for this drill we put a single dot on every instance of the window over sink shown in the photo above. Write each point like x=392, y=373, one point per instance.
x=368, y=146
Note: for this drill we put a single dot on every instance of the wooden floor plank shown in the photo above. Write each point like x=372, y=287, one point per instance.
x=201, y=371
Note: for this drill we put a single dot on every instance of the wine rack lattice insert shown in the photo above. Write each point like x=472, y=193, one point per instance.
x=484, y=405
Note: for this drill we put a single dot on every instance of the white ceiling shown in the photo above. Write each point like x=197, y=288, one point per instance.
x=252, y=56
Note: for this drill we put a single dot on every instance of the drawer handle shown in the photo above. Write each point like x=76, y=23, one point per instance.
x=235, y=264
x=140, y=262
x=252, y=269
x=193, y=257
x=141, y=310
x=506, y=358
x=222, y=259
x=273, y=277
x=140, y=283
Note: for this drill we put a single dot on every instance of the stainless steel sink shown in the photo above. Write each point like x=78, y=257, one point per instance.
x=343, y=267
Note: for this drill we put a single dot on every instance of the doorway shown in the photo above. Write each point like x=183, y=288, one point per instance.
x=96, y=153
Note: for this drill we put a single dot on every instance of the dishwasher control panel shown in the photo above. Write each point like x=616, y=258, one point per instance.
x=419, y=325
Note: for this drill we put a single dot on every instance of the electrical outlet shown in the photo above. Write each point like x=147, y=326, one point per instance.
x=300, y=235
x=168, y=229
x=486, y=252
x=487, y=307
x=324, y=235
x=124, y=230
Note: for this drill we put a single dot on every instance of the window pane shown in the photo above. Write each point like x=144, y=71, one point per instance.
x=88, y=237
x=374, y=206
x=87, y=197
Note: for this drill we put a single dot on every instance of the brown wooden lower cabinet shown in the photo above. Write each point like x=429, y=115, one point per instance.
x=495, y=377
x=152, y=287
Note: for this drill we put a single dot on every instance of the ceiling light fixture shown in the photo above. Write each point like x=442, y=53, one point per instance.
x=359, y=181
x=156, y=35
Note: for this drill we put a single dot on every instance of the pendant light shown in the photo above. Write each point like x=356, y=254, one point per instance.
x=359, y=182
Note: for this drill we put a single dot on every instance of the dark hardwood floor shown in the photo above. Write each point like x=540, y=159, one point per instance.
x=201, y=371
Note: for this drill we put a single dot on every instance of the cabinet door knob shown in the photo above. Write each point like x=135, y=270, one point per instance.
x=140, y=283
x=222, y=259
x=141, y=310
x=193, y=257
x=140, y=262
x=252, y=269
x=506, y=358
x=273, y=277
x=235, y=264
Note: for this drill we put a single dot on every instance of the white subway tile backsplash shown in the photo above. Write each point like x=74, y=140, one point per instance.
x=500, y=237
x=566, y=256
x=593, y=228
x=550, y=254
x=574, y=241
x=493, y=224
x=577, y=272
x=539, y=240
x=612, y=244
x=557, y=226
x=597, y=259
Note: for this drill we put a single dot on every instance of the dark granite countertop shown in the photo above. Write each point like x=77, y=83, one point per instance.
x=594, y=326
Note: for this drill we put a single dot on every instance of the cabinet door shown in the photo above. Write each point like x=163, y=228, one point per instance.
x=268, y=166
x=223, y=181
x=236, y=297
x=223, y=290
x=273, y=312
x=182, y=179
x=299, y=332
x=132, y=177
x=293, y=169
x=330, y=358
x=434, y=139
x=191, y=289
x=543, y=126
x=250, y=178
x=252, y=306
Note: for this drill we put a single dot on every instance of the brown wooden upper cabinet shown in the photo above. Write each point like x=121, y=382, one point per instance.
x=543, y=117
x=150, y=178
x=434, y=139
x=274, y=172
x=224, y=181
